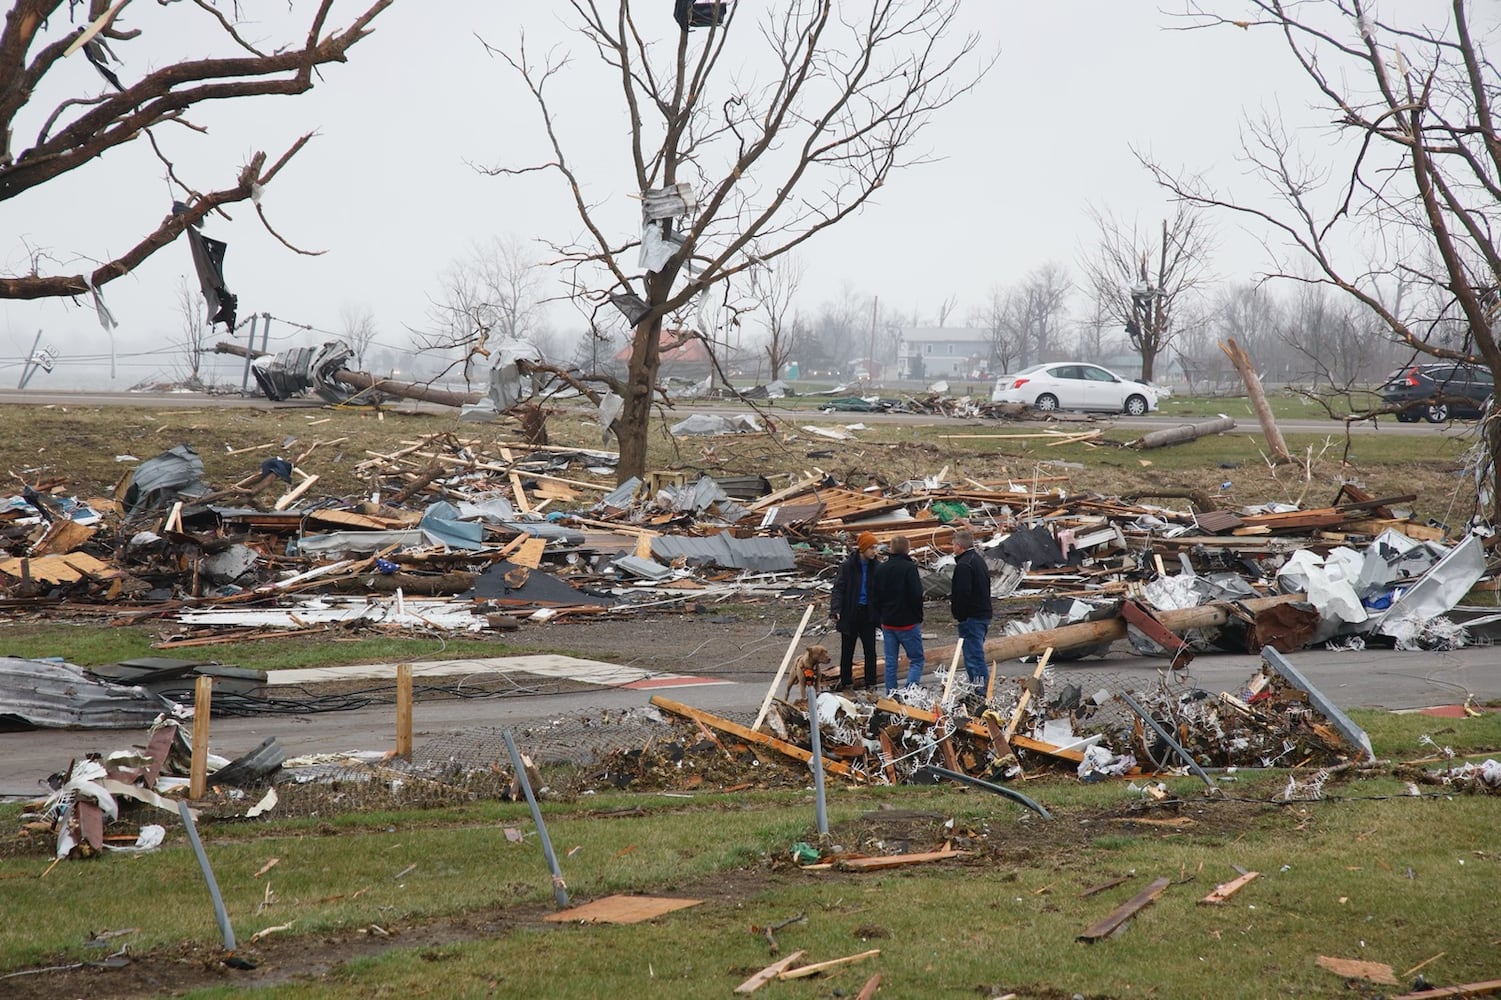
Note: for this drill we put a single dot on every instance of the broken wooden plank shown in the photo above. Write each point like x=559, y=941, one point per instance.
x=776, y=681
x=1225, y=890
x=1111, y=923
x=1026, y=695
x=747, y=734
x=833, y=963
x=530, y=553
x=898, y=860
x=1094, y=889
x=620, y=910
x=769, y=973
x=290, y=497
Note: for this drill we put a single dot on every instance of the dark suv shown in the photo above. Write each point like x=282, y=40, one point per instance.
x=1439, y=391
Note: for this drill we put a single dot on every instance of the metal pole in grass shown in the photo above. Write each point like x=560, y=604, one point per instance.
x=225, y=931
x=559, y=891
x=819, y=806
x=1167, y=738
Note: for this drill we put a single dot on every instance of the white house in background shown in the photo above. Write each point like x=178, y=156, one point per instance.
x=930, y=352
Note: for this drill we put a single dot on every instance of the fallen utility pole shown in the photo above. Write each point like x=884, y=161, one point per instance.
x=1065, y=637
x=1185, y=432
x=364, y=380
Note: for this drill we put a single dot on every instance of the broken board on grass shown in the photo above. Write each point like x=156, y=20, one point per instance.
x=620, y=910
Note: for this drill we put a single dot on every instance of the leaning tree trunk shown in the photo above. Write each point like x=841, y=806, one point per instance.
x=1242, y=362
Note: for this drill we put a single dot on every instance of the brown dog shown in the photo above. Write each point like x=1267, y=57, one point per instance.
x=807, y=672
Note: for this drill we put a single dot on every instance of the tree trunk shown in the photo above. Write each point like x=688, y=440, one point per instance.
x=641, y=380
x=1148, y=360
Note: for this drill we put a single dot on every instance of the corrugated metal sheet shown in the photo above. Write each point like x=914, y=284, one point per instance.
x=763, y=555
x=43, y=694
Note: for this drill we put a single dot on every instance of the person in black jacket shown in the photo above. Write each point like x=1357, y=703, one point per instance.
x=969, y=600
x=899, y=610
x=852, y=610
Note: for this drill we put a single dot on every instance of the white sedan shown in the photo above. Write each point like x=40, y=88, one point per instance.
x=1074, y=385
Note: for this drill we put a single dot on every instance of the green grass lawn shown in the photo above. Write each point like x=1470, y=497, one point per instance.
x=1369, y=872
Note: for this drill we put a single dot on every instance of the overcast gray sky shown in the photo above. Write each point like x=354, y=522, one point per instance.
x=389, y=189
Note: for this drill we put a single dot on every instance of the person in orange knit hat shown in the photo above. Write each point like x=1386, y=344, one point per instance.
x=852, y=610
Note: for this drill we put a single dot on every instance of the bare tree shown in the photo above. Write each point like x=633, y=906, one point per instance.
x=993, y=318
x=493, y=293
x=1036, y=309
x=195, y=333
x=1418, y=168
x=1328, y=337
x=1142, y=282
x=737, y=168
x=357, y=324
x=1097, y=332
x=785, y=328
x=835, y=327
x=135, y=99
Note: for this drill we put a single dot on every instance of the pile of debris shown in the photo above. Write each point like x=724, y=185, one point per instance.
x=460, y=536
x=1042, y=724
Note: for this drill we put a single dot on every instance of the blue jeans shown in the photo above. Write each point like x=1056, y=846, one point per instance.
x=910, y=640
x=972, y=634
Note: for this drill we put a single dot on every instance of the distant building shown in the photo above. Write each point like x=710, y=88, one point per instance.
x=688, y=358
x=928, y=352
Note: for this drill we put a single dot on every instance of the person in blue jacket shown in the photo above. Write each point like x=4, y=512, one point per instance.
x=899, y=610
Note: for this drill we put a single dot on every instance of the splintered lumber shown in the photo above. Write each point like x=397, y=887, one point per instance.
x=747, y=734
x=287, y=499
x=1184, y=432
x=782, y=670
x=868, y=991
x=769, y=973
x=1225, y=890
x=1110, y=924
x=898, y=860
x=1026, y=695
x=833, y=963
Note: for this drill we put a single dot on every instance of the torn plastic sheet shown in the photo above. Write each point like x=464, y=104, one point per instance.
x=711, y=424
x=1443, y=587
x=610, y=406
x=1427, y=634
x=1327, y=583
x=150, y=837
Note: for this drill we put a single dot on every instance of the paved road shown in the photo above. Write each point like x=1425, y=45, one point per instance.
x=1364, y=679
x=806, y=409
